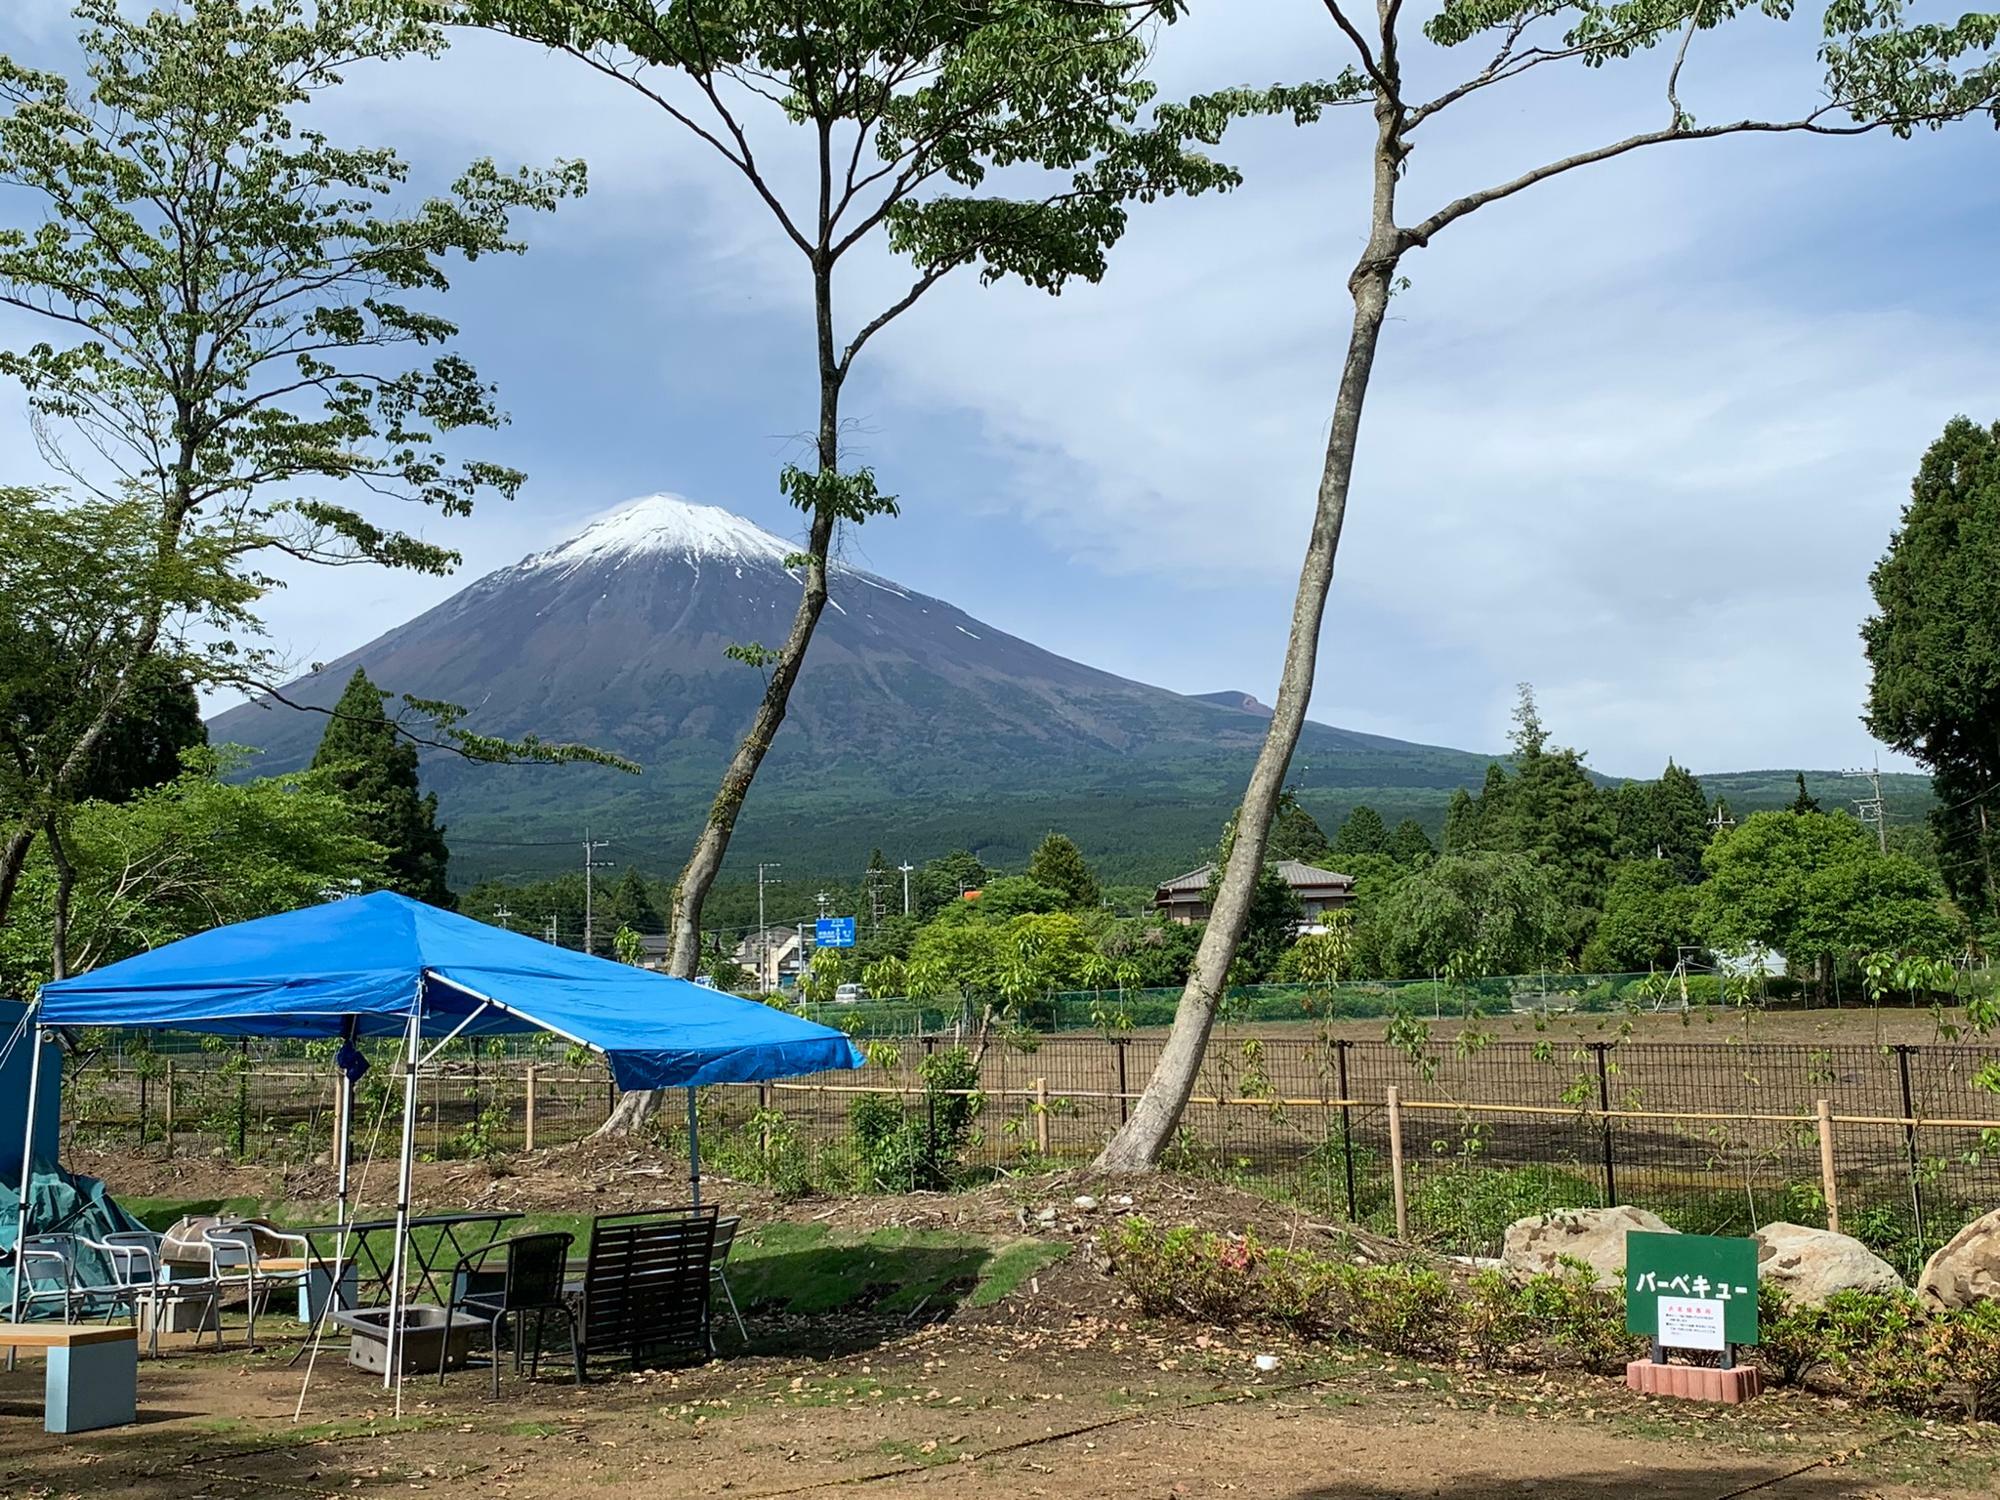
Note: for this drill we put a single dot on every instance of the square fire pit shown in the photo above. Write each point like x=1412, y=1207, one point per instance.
x=424, y=1331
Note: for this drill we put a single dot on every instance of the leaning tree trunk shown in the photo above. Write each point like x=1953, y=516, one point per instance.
x=1138, y=1143
x=712, y=844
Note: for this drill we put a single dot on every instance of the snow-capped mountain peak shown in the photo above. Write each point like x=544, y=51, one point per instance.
x=666, y=525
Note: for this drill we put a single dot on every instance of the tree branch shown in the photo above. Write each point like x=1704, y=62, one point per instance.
x=1811, y=124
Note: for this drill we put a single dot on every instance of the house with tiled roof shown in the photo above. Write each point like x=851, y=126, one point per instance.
x=1185, y=897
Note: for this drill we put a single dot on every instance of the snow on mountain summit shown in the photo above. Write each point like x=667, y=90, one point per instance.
x=665, y=524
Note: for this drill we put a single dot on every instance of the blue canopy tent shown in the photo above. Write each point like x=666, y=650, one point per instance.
x=382, y=965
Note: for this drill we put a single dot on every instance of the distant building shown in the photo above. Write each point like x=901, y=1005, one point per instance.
x=772, y=956
x=1185, y=898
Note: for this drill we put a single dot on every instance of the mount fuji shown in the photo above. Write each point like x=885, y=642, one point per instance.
x=914, y=725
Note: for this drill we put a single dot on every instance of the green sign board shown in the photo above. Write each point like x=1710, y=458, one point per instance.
x=1691, y=1291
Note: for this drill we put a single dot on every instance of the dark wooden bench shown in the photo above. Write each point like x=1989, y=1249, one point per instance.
x=93, y=1372
x=645, y=1285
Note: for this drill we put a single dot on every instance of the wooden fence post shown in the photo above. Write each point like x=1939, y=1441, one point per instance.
x=1828, y=1183
x=1396, y=1163
x=170, y=1106
x=764, y=1125
x=528, y=1130
x=1042, y=1116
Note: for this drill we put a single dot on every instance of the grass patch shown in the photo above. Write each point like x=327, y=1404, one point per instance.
x=809, y=1268
x=778, y=1267
x=929, y=1454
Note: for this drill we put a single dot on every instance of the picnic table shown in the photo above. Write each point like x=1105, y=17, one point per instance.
x=369, y=1256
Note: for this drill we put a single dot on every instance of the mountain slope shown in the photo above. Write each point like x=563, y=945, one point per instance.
x=914, y=725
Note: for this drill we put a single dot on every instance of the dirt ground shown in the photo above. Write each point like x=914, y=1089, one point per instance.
x=1029, y=1405
x=1056, y=1390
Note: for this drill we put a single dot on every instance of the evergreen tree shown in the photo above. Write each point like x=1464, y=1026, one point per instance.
x=632, y=905
x=1805, y=802
x=1410, y=845
x=1550, y=810
x=1683, y=822
x=1296, y=834
x=1934, y=649
x=1059, y=864
x=1362, y=831
x=937, y=884
x=376, y=769
x=142, y=746
x=1461, y=822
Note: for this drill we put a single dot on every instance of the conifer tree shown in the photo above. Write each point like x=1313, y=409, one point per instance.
x=1296, y=834
x=1805, y=802
x=1410, y=845
x=632, y=904
x=376, y=769
x=1362, y=832
x=1058, y=864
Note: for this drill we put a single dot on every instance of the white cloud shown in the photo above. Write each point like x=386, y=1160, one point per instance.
x=1636, y=435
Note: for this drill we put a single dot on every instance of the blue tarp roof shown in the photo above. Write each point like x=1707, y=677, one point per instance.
x=364, y=961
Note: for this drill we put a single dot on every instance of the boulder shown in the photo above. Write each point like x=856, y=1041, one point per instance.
x=1809, y=1265
x=1967, y=1269
x=1595, y=1236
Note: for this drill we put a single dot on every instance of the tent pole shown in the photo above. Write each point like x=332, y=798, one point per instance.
x=398, y=1264
x=346, y=1087
x=343, y=1124
x=694, y=1149
x=27, y=1173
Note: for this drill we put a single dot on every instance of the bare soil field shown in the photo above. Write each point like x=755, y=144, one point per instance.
x=1057, y=1388
x=1042, y=1398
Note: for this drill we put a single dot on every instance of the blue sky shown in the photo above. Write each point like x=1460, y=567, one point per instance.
x=1636, y=436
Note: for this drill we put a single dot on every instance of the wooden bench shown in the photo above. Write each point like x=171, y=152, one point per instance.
x=93, y=1372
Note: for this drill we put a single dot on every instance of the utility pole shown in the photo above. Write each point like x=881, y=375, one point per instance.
x=1719, y=821
x=764, y=977
x=1870, y=809
x=549, y=932
x=874, y=899
x=591, y=862
x=824, y=901
x=500, y=915
x=906, y=867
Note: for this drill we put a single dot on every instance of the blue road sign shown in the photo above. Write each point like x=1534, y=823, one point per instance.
x=834, y=932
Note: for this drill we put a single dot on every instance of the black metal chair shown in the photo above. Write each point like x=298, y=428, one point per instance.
x=530, y=1282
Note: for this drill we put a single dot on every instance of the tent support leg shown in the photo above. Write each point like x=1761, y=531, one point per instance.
x=694, y=1150
x=27, y=1174
x=344, y=1146
x=393, y=1375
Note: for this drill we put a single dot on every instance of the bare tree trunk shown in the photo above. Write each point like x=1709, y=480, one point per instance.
x=65, y=884
x=13, y=859
x=712, y=844
x=14, y=853
x=1154, y=1118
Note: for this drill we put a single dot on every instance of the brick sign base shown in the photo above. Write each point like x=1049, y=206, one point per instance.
x=1694, y=1382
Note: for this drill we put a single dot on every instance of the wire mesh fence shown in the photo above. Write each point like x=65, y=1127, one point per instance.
x=1717, y=1137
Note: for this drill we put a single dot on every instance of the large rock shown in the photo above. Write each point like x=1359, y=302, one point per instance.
x=1810, y=1265
x=1595, y=1236
x=1967, y=1269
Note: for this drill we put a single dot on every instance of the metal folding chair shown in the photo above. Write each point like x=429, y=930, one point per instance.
x=140, y=1280
x=725, y=1236
x=531, y=1282
x=234, y=1259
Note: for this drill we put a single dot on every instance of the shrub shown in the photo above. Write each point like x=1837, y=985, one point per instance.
x=1884, y=1349
x=1402, y=1308
x=901, y=1150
